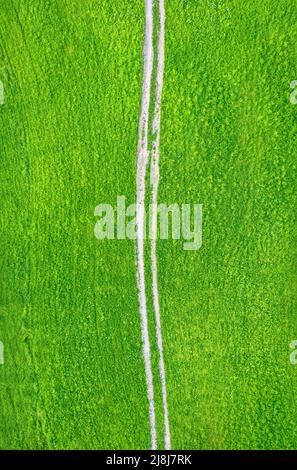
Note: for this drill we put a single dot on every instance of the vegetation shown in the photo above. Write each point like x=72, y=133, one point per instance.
x=73, y=375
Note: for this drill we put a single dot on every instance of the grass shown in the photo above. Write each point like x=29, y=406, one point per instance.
x=73, y=375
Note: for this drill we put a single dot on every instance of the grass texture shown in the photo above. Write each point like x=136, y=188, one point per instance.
x=73, y=375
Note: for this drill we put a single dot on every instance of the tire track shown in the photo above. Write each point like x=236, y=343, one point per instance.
x=154, y=179
x=142, y=160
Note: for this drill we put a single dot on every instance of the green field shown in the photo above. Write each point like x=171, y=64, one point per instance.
x=73, y=374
